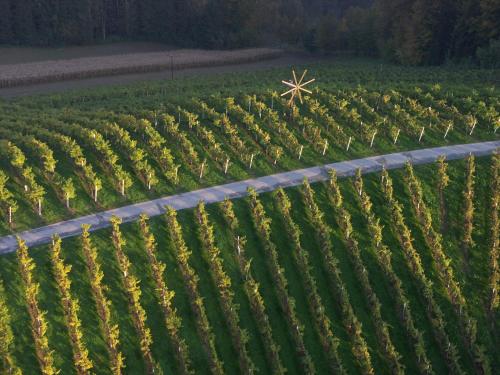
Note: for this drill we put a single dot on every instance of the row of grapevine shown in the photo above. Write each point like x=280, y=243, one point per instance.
x=494, y=280
x=164, y=296
x=136, y=155
x=35, y=192
x=322, y=323
x=108, y=328
x=260, y=136
x=60, y=136
x=64, y=187
x=262, y=226
x=213, y=148
x=69, y=147
x=131, y=287
x=189, y=154
x=383, y=257
x=71, y=308
x=39, y=326
x=468, y=207
x=156, y=146
x=414, y=264
x=320, y=113
x=251, y=287
x=191, y=279
x=95, y=141
x=312, y=134
x=443, y=181
x=271, y=118
x=45, y=154
x=207, y=139
x=353, y=326
x=222, y=281
x=83, y=169
x=7, y=362
x=223, y=124
x=444, y=268
x=381, y=327
x=7, y=201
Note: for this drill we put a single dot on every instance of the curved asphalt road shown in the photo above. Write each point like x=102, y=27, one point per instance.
x=238, y=189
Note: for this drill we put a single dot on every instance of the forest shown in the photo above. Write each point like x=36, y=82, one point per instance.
x=411, y=32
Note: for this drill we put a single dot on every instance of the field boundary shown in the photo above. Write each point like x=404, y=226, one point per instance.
x=233, y=190
x=13, y=75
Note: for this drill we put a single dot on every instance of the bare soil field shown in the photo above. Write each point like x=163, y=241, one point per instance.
x=21, y=55
x=96, y=66
x=285, y=60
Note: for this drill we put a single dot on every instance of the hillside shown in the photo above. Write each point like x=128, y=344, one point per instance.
x=325, y=253
x=71, y=154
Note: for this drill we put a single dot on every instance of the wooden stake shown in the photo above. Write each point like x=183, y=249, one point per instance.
x=300, y=151
x=447, y=130
x=226, y=166
x=324, y=148
x=176, y=175
x=349, y=144
x=421, y=134
x=39, y=207
x=95, y=194
x=149, y=181
x=251, y=161
x=10, y=215
x=202, y=168
x=123, y=188
x=397, y=136
x=67, y=201
x=373, y=138
x=473, y=126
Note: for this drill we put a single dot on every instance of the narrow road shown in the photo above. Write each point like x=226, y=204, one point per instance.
x=238, y=189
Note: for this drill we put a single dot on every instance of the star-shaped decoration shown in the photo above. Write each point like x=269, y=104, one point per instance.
x=297, y=86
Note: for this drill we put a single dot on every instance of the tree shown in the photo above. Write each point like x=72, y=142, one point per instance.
x=6, y=33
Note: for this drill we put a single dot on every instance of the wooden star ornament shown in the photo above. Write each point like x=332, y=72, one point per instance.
x=297, y=87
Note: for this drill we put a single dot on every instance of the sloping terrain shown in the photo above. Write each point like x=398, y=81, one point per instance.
x=320, y=278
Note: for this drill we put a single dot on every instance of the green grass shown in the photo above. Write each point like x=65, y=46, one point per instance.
x=473, y=283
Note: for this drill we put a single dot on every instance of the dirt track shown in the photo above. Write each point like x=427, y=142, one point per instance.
x=285, y=60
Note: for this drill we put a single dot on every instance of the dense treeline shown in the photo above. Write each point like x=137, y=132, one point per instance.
x=208, y=23
x=417, y=32
x=407, y=31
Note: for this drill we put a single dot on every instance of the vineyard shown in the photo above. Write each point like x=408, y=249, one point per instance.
x=385, y=273
x=65, y=156
x=394, y=272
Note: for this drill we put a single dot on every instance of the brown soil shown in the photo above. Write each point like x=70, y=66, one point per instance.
x=284, y=60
